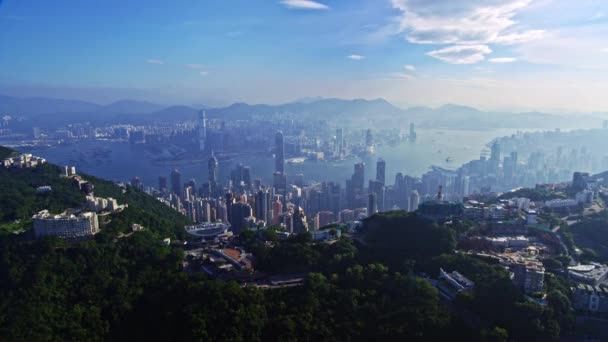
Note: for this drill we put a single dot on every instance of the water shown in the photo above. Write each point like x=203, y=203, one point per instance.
x=123, y=161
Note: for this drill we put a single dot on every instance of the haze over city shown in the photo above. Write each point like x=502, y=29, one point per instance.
x=304, y=170
x=500, y=55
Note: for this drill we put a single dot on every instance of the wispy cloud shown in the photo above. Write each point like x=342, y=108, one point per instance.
x=598, y=16
x=502, y=60
x=401, y=76
x=155, y=61
x=204, y=73
x=468, y=27
x=304, y=4
x=462, y=21
x=410, y=68
x=356, y=57
x=461, y=54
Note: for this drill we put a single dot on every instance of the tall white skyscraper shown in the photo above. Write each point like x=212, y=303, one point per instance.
x=414, y=201
x=202, y=130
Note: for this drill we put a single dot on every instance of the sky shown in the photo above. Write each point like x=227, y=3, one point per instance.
x=491, y=54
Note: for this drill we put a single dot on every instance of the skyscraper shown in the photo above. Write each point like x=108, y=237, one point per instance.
x=277, y=210
x=202, y=130
x=381, y=171
x=412, y=136
x=372, y=204
x=212, y=167
x=176, y=182
x=279, y=148
x=358, y=178
x=162, y=183
x=414, y=201
x=375, y=187
x=239, y=211
x=262, y=205
x=369, y=138
x=495, y=157
x=339, y=141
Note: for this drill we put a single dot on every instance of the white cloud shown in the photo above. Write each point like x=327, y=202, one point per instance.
x=583, y=48
x=155, y=61
x=204, y=73
x=410, y=68
x=502, y=60
x=461, y=54
x=356, y=57
x=304, y=4
x=401, y=76
x=463, y=21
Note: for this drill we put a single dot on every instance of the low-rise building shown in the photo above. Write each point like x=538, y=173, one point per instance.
x=592, y=274
x=43, y=189
x=208, y=230
x=24, y=160
x=589, y=298
x=65, y=225
x=529, y=276
x=326, y=234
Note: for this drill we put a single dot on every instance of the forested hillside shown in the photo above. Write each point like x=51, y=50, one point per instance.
x=118, y=287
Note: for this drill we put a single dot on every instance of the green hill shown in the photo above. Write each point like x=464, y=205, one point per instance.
x=19, y=200
x=132, y=287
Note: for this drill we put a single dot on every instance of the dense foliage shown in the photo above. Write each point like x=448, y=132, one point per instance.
x=18, y=197
x=591, y=236
x=123, y=286
x=534, y=194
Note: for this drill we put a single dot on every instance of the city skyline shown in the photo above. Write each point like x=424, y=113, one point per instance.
x=508, y=55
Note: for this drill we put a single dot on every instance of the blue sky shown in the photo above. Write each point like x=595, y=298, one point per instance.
x=495, y=54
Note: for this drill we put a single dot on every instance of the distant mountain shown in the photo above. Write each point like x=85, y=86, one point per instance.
x=308, y=99
x=326, y=109
x=356, y=112
x=33, y=106
x=131, y=106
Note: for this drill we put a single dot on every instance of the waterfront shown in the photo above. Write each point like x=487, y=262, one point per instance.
x=120, y=161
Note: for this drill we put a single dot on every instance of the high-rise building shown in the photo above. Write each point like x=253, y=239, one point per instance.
x=280, y=182
x=323, y=219
x=346, y=216
x=375, y=187
x=279, y=152
x=176, y=182
x=414, y=201
x=369, y=141
x=358, y=179
x=262, y=205
x=162, y=184
x=412, y=136
x=339, y=141
x=239, y=211
x=372, y=204
x=381, y=171
x=137, y=183
x=300, y=224
x=277, y=211
x=495, y=157
x=247, y=176
x=202, y=130
x=212, y=168
x=369, y=138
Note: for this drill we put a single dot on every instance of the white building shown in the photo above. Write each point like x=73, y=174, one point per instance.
x=65, y=225
x=25, y=160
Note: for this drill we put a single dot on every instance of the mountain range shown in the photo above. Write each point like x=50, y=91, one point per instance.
x=49, y=112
